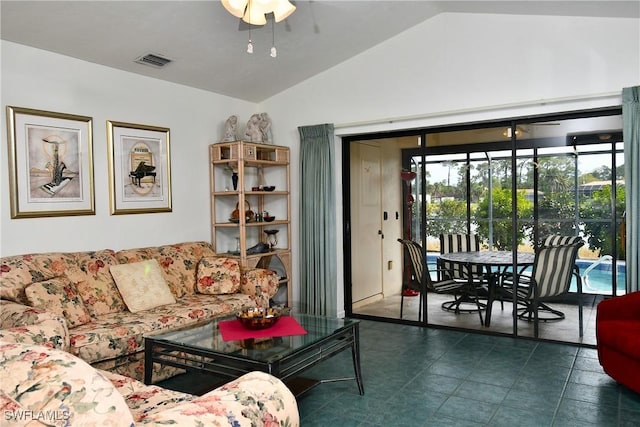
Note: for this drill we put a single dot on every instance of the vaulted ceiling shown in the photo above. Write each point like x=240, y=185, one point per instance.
x=207, y=45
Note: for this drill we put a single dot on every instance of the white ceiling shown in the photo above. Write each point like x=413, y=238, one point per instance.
x=208, y=45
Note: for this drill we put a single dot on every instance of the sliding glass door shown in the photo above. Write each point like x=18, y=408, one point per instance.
x=511, y=183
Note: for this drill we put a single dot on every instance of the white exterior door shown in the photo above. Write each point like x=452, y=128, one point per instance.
x=366, y=222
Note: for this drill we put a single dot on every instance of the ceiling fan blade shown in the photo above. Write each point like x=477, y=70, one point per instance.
x=245, y=26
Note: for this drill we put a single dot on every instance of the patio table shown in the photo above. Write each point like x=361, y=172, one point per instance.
x=494, y=262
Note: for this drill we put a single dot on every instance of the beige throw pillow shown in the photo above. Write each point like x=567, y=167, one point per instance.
x=59, y=296
x=142, y=285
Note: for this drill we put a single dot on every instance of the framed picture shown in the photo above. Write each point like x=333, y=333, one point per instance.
x=50, y=163
x=139, y=168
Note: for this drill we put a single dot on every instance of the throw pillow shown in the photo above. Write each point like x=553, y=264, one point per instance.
x=142, y=285
x=218, y=275
x=60, y=296
x=95, y=283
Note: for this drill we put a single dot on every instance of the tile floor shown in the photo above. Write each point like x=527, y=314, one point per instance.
x=501, y=320
x=416, y=376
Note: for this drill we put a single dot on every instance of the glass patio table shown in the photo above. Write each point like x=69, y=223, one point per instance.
x=201, y=348
x=494, y=263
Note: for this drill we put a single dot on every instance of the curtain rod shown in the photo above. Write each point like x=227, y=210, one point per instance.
x=479, y=109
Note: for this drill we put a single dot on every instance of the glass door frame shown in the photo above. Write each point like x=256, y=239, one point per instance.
x=514, y=145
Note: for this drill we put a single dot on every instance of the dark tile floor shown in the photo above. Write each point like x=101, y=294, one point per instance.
x=436, y=377
x=433, y=377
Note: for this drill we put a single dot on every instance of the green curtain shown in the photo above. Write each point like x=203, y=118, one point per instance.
x=318, y=269
x=631, y=134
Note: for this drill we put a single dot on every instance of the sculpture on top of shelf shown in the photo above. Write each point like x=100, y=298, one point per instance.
x=265, y=128
x=253, y=132
x=231, y=129
x=259, y=128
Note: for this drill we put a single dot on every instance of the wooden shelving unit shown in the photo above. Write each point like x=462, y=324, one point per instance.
x=258, y=166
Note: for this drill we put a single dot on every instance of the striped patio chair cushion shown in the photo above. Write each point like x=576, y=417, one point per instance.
x=460, y=243
x=553, y=269
x=558, y=240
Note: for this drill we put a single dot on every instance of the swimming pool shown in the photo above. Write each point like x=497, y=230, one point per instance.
x=597, y=275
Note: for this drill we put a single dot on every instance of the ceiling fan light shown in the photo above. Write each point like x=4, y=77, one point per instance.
x=235, y=7
x=254, y=14
x=267, y=6
x=282, y=10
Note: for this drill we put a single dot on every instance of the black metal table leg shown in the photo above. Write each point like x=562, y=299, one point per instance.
x=148, y=361
x=355, y=352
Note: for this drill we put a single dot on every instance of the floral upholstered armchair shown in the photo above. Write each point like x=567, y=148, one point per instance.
x=46, y=386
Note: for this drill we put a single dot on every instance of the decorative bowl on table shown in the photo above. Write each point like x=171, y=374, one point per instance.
x=259, y=343
x=269, y=187
x=258, y=317
x=268, y=218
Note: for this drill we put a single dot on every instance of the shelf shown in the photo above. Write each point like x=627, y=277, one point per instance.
x=249, y=152
x=235, y=193
x=226, y=193
x=257, y=257
x=266, y=193
x=254, y=164
x=252, y=223
x=267, y=224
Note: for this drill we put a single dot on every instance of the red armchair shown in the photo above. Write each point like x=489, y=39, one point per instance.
x=618, y=337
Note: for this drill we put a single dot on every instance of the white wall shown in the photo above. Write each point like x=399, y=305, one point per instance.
x=33, y=78
x=450, y=69
x=463, y=67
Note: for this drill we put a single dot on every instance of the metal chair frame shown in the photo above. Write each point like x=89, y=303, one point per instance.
x=421, y=275
x=448, y=270
x=553, y=268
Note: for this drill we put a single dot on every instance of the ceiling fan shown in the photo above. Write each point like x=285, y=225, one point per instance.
x=255, y=12
x=525, y=128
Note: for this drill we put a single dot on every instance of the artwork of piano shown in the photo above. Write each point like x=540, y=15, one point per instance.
x=143, y=170
x=139, y=168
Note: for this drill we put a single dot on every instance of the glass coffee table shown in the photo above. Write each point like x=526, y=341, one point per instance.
x=200, y=348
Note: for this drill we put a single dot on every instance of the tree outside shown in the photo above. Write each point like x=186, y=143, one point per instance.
x=502, y=227
x=598, y=232
x=449, y=216
x=556, y=213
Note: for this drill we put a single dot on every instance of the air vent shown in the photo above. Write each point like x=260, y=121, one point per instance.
x=153, y=60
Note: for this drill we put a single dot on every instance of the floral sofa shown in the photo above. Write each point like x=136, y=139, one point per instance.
x=98, y=305
x=46, y=386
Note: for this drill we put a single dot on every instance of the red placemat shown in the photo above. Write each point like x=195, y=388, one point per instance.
x=232, y=330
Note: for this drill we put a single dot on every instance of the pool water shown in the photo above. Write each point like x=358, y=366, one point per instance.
x=597, y=280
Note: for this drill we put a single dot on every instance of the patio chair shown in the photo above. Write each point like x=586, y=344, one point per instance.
x=551, y=277
x=559, y=240
x=422, y=278
x=448, y=270
x=459, y=243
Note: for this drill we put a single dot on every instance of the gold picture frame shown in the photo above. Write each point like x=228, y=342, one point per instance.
x=50, y=163
x=139, y=168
